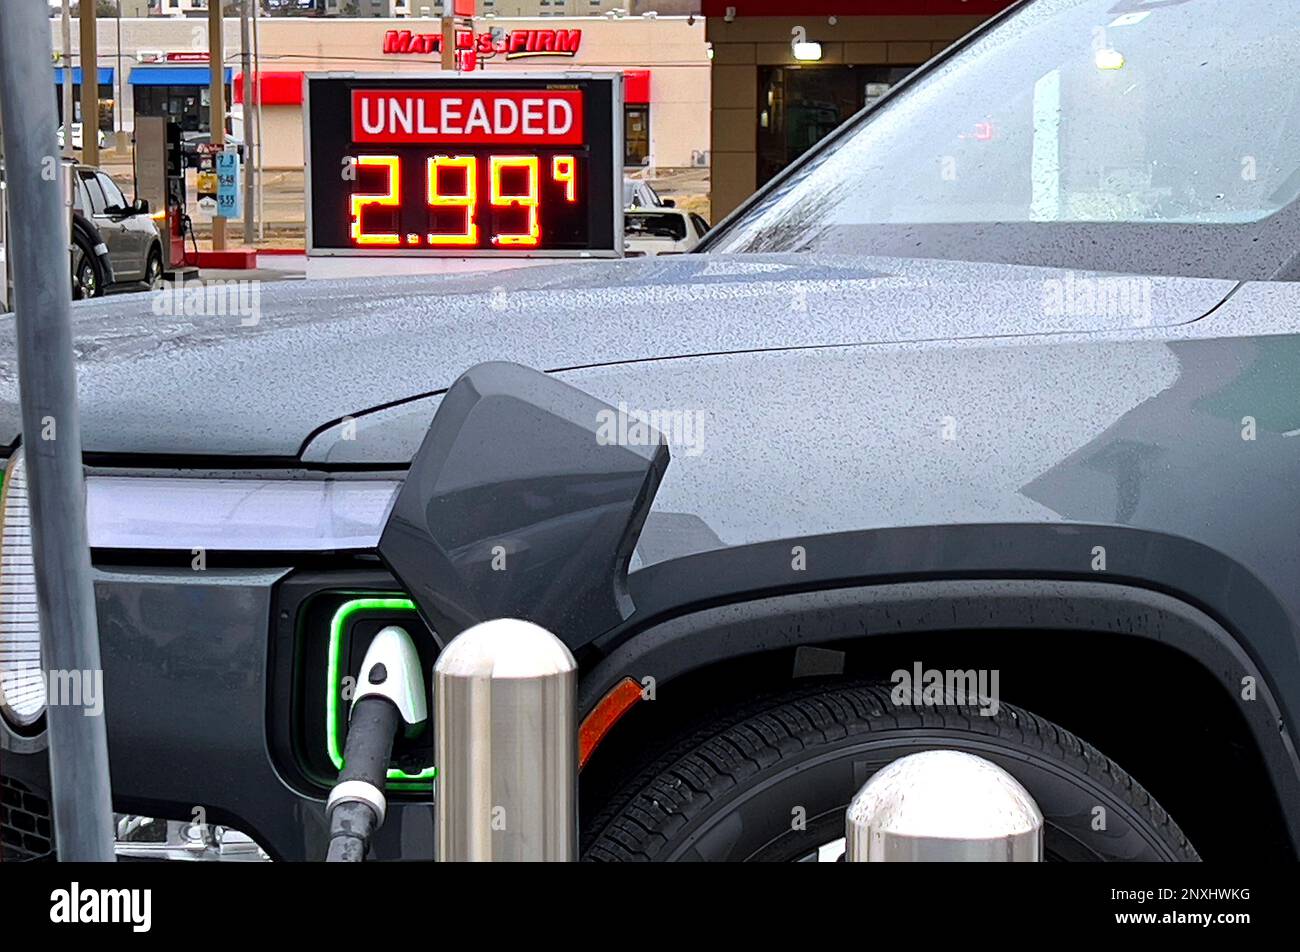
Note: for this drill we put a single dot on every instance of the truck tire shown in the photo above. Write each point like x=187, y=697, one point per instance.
x=771, y=781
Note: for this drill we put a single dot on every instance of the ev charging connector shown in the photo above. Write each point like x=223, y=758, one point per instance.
x=389, y=697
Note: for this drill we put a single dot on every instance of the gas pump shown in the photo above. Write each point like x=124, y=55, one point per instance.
x=160, y=163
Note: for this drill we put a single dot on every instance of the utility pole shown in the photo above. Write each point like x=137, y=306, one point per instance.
x=251, y=81
x=448, y=57
x=457, y=15
x=217, y=102
x=119, y=106
x=67, y=79
x=257, y=97
x=89, y=83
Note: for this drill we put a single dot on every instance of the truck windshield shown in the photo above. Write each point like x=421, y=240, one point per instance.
x=1069, y=112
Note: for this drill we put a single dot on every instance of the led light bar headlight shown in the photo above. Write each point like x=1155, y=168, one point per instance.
x=22, y=688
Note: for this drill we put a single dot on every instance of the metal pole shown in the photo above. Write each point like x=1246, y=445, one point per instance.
x=89, y=82
x=67, y=80
x=943, y=806
x=6, y=278
x=448, y=27
x=217, y=102
x=78, y=753
x=257, y=96
x=119, y=107
x=5, y=275
x=250, y=85
x=505, y=742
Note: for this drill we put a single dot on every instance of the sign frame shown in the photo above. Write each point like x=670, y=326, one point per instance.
x=470, y=79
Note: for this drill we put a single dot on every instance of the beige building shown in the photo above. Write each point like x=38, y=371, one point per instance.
x=781, y=83
x=664, y=60
x=501, y=8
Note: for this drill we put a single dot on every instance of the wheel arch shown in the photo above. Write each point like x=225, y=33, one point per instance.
x=1178, y=661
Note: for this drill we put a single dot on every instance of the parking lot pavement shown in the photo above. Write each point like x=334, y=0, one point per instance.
x=288, y=272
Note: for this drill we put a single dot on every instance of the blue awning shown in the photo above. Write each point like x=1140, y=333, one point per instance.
x=174, y=75
x=103, y=73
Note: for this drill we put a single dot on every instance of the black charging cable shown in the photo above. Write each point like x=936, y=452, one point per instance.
x=389, y=698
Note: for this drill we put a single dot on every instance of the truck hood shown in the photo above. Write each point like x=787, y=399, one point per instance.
x=253, y=371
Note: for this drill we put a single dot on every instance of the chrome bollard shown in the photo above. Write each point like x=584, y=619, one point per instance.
x=943, y=806
x=505, y=743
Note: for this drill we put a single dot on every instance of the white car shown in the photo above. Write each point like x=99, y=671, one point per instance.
x=638, y=194
x=77, y=141
x=661, y=231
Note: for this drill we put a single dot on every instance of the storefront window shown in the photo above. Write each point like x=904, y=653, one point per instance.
x=106, y=104
x=184, y=105
x=799, y=105
x=636, y=135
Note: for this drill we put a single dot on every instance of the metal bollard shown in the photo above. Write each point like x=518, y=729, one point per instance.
x=943, y=806
x=505, y=743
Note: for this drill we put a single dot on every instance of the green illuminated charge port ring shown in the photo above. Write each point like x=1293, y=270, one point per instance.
x=398, y=779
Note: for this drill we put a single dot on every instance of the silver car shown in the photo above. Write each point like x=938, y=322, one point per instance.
x=126, y=228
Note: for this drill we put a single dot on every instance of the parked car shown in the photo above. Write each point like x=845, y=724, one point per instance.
x=639, y=194
x=91, y=265
x=193, y=142
x=661, y=231
x=126, y=230
x=976, y=429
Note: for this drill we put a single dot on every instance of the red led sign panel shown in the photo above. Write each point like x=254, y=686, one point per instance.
x=455, y=188
x=441, y=165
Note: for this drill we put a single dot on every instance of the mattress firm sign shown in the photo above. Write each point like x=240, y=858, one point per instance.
x=512, y=44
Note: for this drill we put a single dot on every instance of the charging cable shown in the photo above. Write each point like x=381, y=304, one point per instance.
x=389, y=697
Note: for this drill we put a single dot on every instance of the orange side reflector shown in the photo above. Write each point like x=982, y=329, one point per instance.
x=617, y=701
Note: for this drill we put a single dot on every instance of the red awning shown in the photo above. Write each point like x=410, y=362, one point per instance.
x=273, y=89
x=636, y=86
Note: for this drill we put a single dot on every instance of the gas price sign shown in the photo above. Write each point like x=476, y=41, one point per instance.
x=524, y=164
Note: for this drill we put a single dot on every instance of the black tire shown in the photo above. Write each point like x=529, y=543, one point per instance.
x=729, y=791
x=153, y=269
x=87, y=273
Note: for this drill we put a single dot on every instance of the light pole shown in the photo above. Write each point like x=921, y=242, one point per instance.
x=251, y=82
x=216, y=103
x=257, y=112
x=47, y=383
x=67, y=79
x=118, y=127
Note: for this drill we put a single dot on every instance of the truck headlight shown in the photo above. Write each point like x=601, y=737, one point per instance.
x=22, y=688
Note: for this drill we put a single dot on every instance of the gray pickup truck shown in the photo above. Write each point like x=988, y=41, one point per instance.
x=978, y=428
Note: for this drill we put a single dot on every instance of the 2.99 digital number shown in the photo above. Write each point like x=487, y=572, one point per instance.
x=563, y=171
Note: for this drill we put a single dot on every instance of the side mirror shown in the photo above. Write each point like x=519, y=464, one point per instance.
x=140, y=206
x=669, y=203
